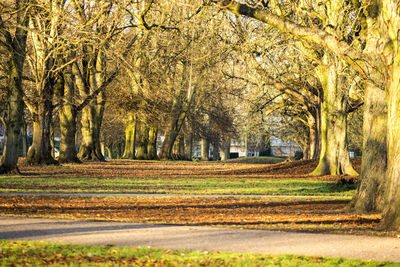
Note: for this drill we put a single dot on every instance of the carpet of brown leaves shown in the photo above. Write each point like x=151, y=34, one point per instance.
x=181, y=169
x=323, y=216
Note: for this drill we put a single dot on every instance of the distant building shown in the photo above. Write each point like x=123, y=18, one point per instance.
x=280, y=148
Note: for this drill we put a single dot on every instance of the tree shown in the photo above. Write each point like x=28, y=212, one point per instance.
x=13, y=22
x=376, y=60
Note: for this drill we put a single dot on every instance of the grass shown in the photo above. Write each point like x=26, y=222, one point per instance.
x=15, y=253
x=222, y=185
x=118, y=176
x=256, y=160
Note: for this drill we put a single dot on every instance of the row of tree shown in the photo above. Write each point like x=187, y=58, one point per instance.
x=180, y=66
x=346, y=37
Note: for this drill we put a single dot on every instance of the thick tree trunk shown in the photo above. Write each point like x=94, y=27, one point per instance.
x=205, y=148
x=189, y=147
x=225, y=149
x=130, y=138
x=391, y=214
x=40, y=150
x=13, y=125
x=152, y=145
x=334, y=158
x=370, y=192
x=170, y=138
x=143, y=141
x=314, y=132
x=15, y=106
x=90, y=145
x=216, y=150
x=179, y=148
x=67, y=114
x=24, y=138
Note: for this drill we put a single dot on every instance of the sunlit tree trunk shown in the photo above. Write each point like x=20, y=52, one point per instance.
x=391, y=17
x=370, y=192
x=130, y=138
x=334, y=158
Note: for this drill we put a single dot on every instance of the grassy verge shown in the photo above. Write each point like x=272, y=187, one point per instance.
x=221, y=185
x=256, y=160
x=14, y=253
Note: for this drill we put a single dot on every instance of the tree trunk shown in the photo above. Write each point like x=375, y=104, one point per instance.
x=170, y=138
x=225, y=150
x=370, y=195
x=216, y=150
x=40, y=150
x=152, y=145
x=24, y=138
x=334, y=158
x=90, y=145
x=143, y=142
x=130, y=138
x=189, y=147
x=15, y=105
x=179, y=148
x=391, y=214
x=314, y=132
x=205, y=148
x=67, y=114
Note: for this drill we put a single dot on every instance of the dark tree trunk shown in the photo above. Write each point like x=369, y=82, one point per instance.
x=152, y=145
x=40, y=150
x=15, y=106
x=143, y=141
x=205, y=148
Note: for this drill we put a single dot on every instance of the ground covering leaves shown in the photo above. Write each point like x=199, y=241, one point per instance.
x=13, y=253
x=304, y=215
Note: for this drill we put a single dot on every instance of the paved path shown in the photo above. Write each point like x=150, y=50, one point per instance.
x=199, y=238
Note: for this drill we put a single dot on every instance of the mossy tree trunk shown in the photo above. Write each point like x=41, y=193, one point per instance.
x=152, y=145
x=40, y=150
x=205, y=148
x=391, y=18
x=370, y=193
x=67, y=113
x=130, y=138
x=334, y=158
x=15, y=108
x=225, y=149
x=16, y=48
x=143, y=142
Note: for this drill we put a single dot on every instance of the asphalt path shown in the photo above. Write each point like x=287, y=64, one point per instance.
x=199, y=238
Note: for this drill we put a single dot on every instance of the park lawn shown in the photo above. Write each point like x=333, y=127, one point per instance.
x=124, y=176
x=44, y=254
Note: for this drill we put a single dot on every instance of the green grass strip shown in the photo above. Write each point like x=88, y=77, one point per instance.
x=16, y=253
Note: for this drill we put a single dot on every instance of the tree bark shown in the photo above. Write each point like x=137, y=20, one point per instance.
x=334, y=158
x=130, y=138
x=225, y=150
x=67, y=114
x=143, y=141
x=370, y=193
x=152, y=145
x=90, y=145
x=205, y=148
x=15, y=105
